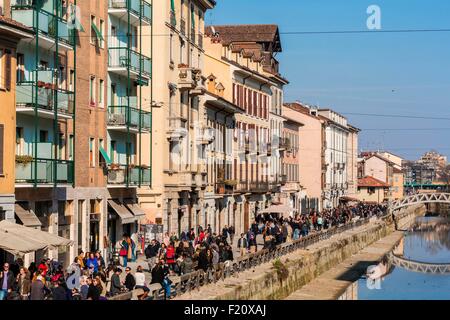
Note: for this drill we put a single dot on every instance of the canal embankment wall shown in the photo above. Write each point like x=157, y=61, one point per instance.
x=295, y=270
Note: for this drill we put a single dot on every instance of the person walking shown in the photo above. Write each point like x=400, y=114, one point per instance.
x=125, y=250
x=6, y=281
x=242, y=245
x=151, y=253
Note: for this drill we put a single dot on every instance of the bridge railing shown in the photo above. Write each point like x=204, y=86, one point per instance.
x=197, y=279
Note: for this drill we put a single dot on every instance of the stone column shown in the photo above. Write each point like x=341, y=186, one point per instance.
x=53, y=227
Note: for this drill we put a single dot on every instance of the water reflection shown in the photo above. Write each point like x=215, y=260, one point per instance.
x=421, y=244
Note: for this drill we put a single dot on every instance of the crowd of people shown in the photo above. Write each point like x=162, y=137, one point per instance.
x=200, y=249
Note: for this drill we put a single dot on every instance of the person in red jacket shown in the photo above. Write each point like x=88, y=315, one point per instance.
x=170, y=256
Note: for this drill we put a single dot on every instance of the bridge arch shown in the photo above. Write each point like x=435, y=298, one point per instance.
x=417, y=266
x=420, y=198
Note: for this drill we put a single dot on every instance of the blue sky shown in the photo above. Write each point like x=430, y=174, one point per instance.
x=387, y=73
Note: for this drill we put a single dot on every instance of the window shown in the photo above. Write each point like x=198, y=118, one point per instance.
x=1, y=68
x=113, y=151
x=19, y=141
x=93, y=34
x=71, y=80
x=102, y=33
x=71, y=147
x=91, y=152
x=43, y=136
x=171, y=49
x=20, y=68
x=5, y=69
x=61, y=147
x=101, y=86
x=2, y=127
x=92, y=91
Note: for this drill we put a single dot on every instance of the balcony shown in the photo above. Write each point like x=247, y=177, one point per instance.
x=118, y=174
x=184, y=180
x=123, y=118
x=49, y=27
x=140, y=11
x=42, y=171
x=206, y=135
x=43, y=97
x=261, y=187
x=284, y=144
x=242, y=187
x=124, y=62
x=176, y=127
x=188, y=77
x=226, y=187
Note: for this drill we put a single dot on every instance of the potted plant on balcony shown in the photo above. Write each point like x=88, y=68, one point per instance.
x=183, y=65
x=114, y=166
x=230, y=185
x=24, y=160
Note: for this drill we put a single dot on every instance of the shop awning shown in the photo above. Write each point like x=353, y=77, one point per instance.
x=19, y=240
x=104, y=155
x=125, y=215
x=27, y=217
x=135, y=208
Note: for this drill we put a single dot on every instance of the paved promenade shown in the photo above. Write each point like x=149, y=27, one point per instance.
x=221, y=288
x=333, y=283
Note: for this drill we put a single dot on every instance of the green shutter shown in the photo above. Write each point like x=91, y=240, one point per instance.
x=97, y=32
x=193, y=17
x=172, y=5
x=105, y=155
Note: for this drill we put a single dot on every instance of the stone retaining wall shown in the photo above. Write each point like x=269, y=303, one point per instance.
x=306, y=265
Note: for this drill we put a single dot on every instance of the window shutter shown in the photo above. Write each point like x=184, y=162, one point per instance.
x=234, y=93
x=1, y=147
x=8, y=69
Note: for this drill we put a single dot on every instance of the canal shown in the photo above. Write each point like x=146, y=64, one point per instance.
x=429, y=243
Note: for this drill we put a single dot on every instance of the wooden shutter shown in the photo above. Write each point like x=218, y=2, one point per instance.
x=1, y=147
x=234, y=93
x=8, y=69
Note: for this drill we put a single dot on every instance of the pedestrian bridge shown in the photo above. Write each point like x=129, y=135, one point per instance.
x=420, y=198
x=417, y=266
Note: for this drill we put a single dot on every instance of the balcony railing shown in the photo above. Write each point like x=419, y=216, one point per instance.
x=130, y=59
x=259, y=186
x=42, y=171
x=129, y=116
x=140, y=8
x=284, y=144
x=45, y=97
x=44, y=22
x=119, y=175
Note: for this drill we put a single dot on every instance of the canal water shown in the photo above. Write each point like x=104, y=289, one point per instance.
x=431, y=246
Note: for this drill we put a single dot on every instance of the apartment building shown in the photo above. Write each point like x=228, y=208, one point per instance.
x=291, y=192
x=174, y=198
x=11, y=33
x=312, y=168
x=80, y=120
x=337, y=131
x=253, y=84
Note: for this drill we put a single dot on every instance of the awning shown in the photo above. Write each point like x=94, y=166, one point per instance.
x=125, y=215
x=97, y=32
x=104, y=155
x=135, y=208
x=19, y=240
x=27, y=217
